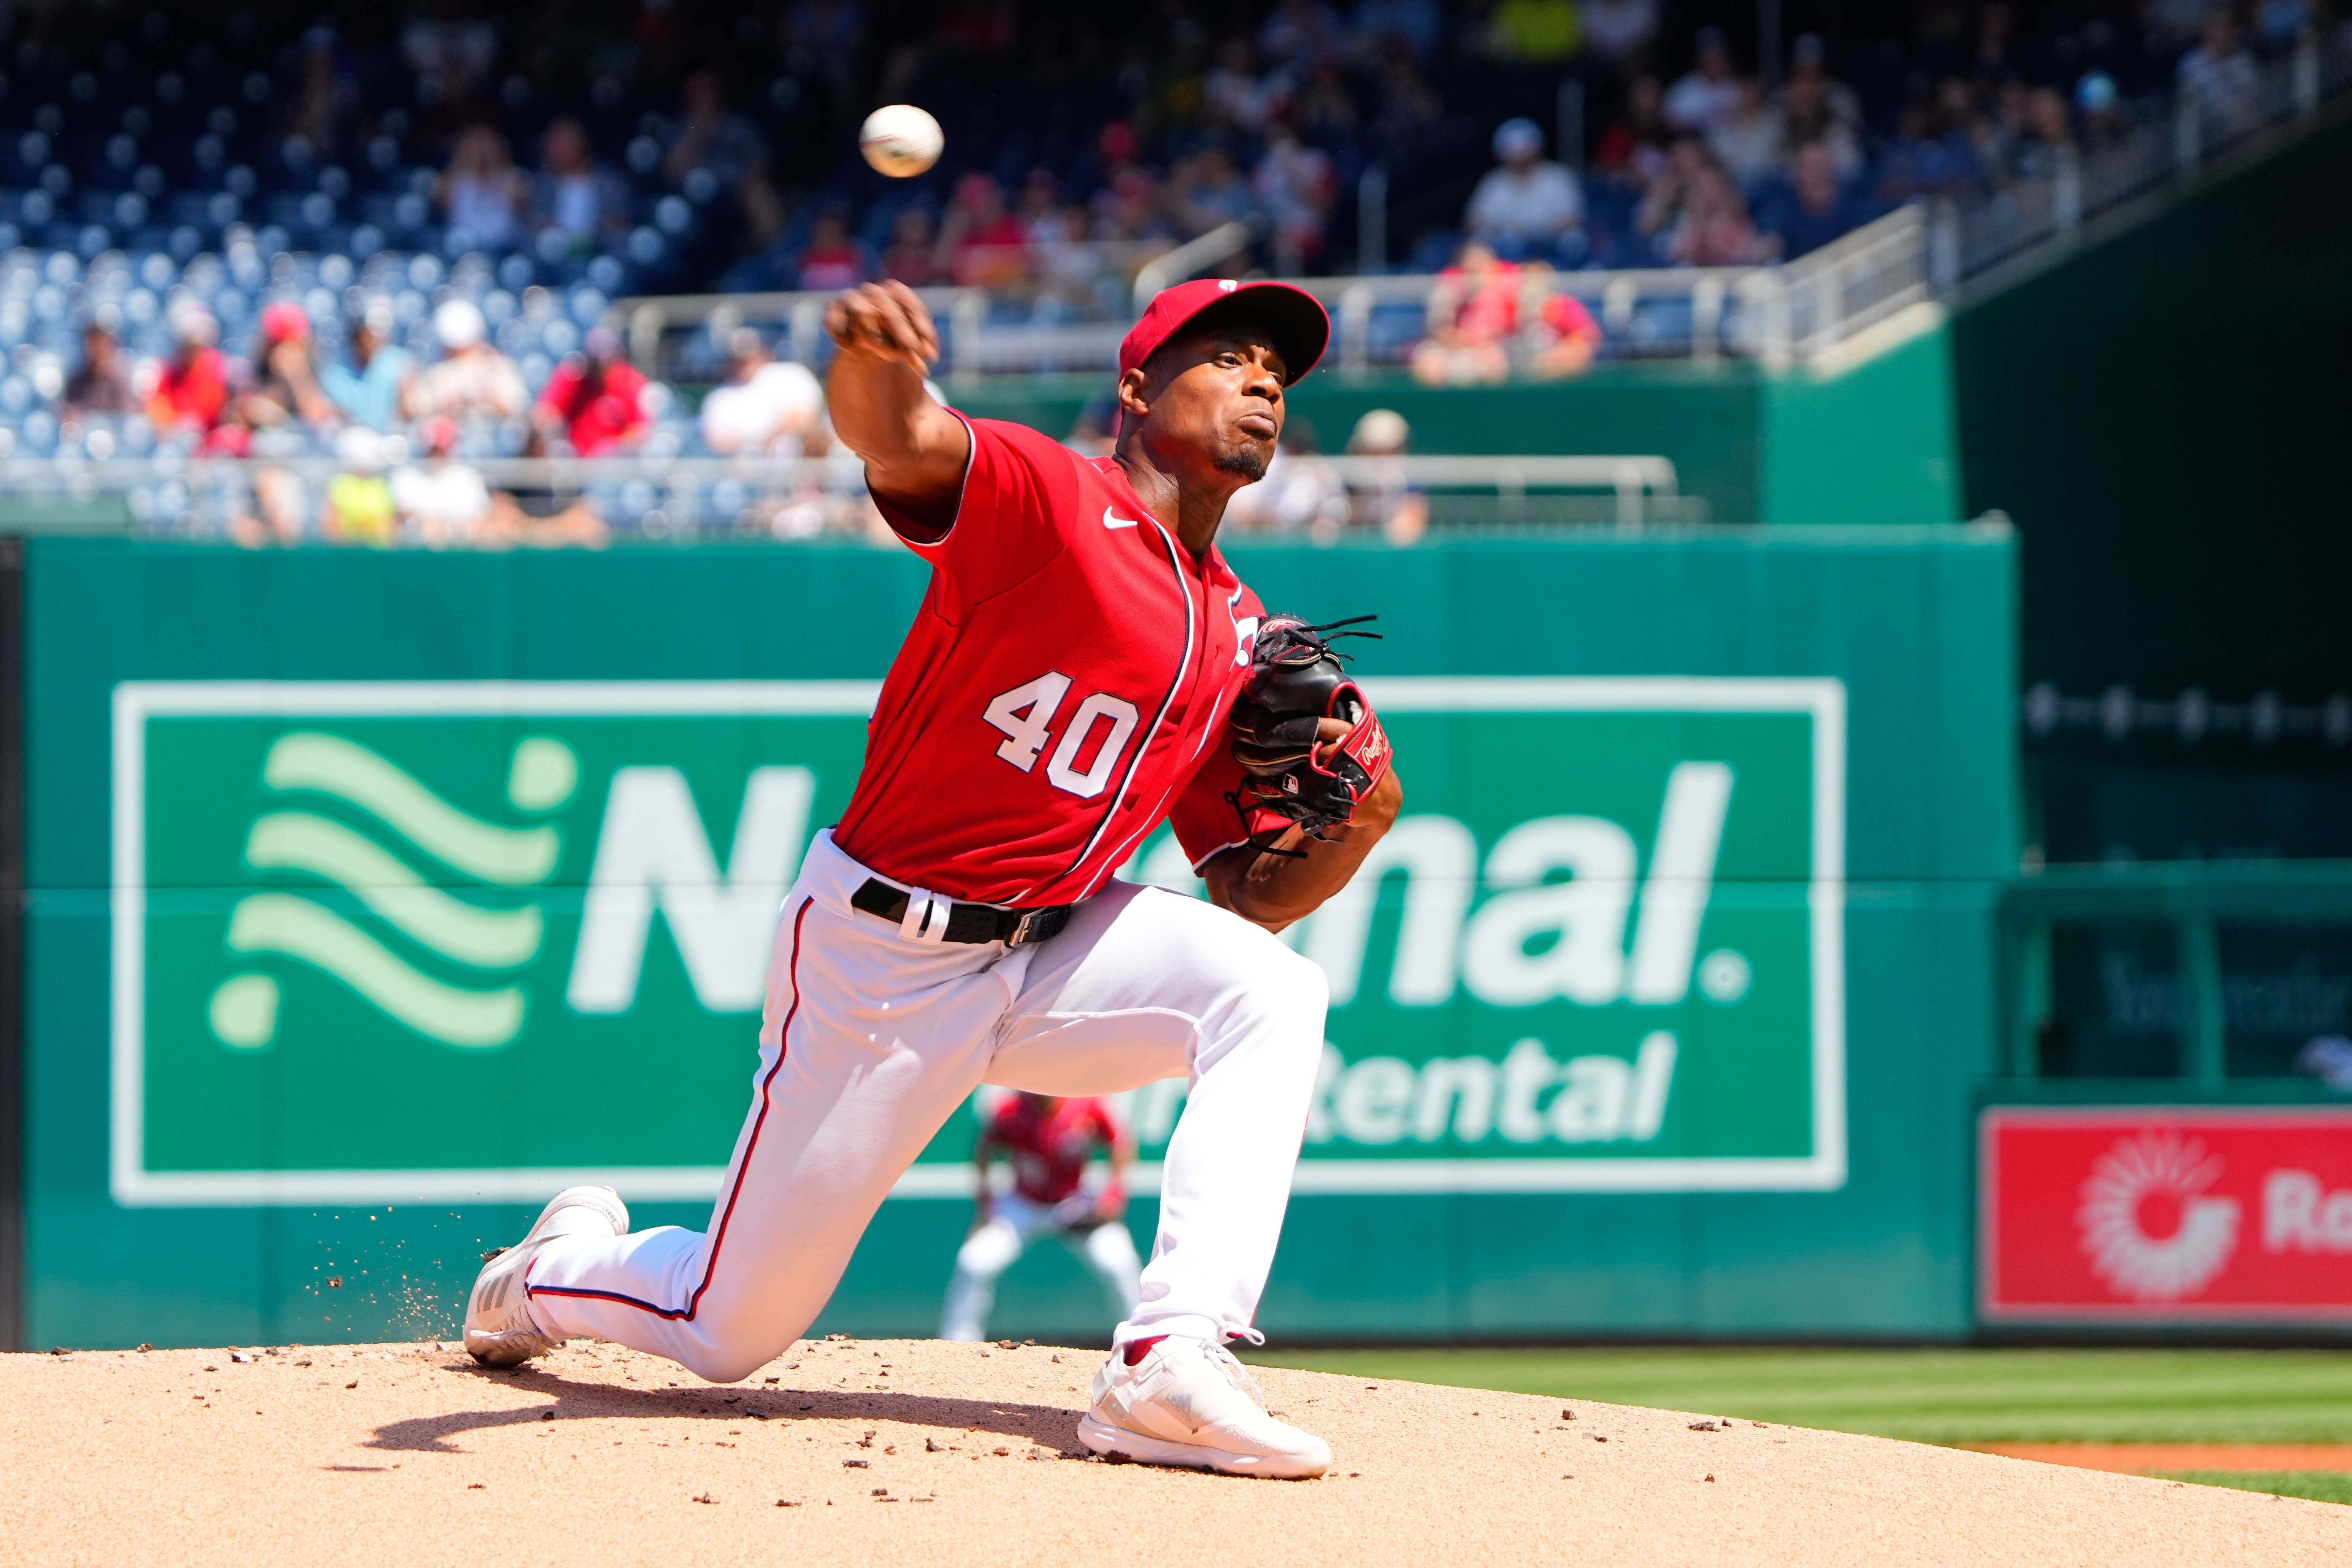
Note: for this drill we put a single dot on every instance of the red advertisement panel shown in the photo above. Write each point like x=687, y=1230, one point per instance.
x=2154, y=1213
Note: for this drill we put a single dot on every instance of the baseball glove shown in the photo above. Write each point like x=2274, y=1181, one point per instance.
x=1297, y=679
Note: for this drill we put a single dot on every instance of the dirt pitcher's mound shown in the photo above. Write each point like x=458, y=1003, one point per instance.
x=921, y=1453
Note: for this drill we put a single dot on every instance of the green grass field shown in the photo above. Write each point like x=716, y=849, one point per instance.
x=1925, y=1395
x=2319, y=1486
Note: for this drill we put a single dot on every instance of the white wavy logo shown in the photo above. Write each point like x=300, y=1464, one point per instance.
x=393, y=897
x=2163, y=1165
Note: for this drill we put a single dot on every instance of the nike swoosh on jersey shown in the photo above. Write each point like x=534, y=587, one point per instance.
x=1110, y=521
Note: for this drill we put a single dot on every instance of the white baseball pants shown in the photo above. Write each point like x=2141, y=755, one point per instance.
x=1013, y=1225
x=874, y=1033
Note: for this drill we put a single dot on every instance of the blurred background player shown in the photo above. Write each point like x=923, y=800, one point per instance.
x=1049, y=1139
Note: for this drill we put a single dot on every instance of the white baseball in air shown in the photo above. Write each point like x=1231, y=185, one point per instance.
x=901, y=141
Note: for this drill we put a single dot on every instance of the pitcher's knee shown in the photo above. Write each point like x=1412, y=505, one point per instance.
x=1285, y=988
x=730, y=1357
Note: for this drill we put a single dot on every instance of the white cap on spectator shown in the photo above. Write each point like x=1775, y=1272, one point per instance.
x=459, y=324
x=380, y=320
x=1513, y=137
x=1379, y=433
x=361, y=450
x=192, y=323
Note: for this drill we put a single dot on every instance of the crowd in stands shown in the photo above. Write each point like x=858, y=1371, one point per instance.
x=391, y=236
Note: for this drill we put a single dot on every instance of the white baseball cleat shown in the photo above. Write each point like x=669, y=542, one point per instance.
x=499, y=1328
x=1187, y=1401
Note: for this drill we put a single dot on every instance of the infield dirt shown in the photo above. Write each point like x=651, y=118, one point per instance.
x=923, y=1453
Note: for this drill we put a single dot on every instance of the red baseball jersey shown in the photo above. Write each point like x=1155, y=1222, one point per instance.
x=1049, y=1153
x=1062, y=690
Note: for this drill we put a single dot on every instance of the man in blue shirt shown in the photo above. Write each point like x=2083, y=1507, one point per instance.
x=368, y=388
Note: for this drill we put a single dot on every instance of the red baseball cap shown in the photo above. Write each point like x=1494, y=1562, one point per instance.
x=1295, y=316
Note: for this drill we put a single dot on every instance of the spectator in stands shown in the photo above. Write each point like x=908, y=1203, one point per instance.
x=1475, y=321
x=913, y=258
x=451, y=54
x=1384, y=496
x=1301, y=493
x=595, y=401
x=1538, y=32
x=480, y=190
x=1417, y=25
x=358, y=507
x=1705, y=95
x=1563, y=339
x=1633, y=151
x=1235, y=95
x=1294, y=184
x=1620, y=30
x=102, y=383
x=1710, y=225
x=1526, y=207
x=1927, y=156
x=1813, y=208
x=441, y=501
x=1408, y=104
x=981, y=244
x=588, y=206
x=766, y=407
x=284, y=395
x=832, y=260
x=2045, y=141
x=326, y=104
x=367, y=388
x=2221, y=75
x=1670, y=192
x=1207, y=191
x=272, y=415
x=710, y=135
x=1751, y=141
x=2106, y=122
x=474, y=381
x=1815, y=108
x=1993, y=59
x=1131, y=211
x=1322, y=109
x=192, y=388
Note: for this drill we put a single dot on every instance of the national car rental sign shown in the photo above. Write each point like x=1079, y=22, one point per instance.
x=2155, y=1214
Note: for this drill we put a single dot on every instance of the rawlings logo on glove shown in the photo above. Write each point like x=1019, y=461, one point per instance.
x=1295, y=778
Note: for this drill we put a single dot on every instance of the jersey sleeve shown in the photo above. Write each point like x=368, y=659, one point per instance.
x=1205, y=820
x=1019, y=488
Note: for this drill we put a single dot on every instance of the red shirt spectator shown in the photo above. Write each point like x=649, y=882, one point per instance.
x=833, y=260
x=985, y=244
x=598, y=401
x=193, y=388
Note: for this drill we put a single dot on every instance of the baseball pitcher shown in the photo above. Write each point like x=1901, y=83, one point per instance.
x=1084, y=666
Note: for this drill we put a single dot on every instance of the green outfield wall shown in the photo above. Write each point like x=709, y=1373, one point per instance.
x=371, y=897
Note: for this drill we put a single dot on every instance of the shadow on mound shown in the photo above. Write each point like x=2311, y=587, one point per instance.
x=1051, y=1427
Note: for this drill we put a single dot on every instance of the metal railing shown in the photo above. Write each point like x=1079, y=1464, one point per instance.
x=1780, y=314
x=175, y=494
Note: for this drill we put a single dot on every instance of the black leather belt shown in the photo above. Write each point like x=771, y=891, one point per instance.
x=963, y=922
